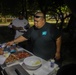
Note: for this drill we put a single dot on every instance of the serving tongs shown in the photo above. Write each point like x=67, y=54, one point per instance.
x=17, y=71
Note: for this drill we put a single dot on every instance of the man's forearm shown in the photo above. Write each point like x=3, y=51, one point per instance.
x=58, y=44
x=19, y=39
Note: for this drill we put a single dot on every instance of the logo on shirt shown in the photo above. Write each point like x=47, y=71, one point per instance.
x=44, y=32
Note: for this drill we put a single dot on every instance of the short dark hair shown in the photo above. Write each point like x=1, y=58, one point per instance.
x=41, y=13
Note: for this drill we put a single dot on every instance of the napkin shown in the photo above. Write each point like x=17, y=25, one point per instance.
x=3, y=58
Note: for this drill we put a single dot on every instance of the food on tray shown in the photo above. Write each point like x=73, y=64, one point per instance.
x=17, y=56
x=6, y=54
x=21, y=55
x=36, y=62
x=11, y=58
x=1, y=51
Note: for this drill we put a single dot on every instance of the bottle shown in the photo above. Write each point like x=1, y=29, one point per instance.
x=13, y=48
x=52, y=63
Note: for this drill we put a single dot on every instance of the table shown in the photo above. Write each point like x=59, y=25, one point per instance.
x=45, y=69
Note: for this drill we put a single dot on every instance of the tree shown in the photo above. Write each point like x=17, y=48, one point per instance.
x=72, y=23
x=29, y=7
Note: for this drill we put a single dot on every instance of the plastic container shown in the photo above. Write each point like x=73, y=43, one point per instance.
x=52, y=63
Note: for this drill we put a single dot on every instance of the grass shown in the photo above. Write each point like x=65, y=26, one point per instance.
x=30, y=22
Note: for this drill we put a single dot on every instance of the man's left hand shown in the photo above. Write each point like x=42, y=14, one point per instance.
x=57, y=55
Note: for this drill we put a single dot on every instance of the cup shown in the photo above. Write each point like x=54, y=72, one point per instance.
x=52, y=63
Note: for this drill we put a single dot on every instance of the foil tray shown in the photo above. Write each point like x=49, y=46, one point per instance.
x=18, y=56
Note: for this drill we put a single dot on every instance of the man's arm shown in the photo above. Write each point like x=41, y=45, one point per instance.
x=17, y=40
x=17, y=28
x=58, y=47
x=14, y=27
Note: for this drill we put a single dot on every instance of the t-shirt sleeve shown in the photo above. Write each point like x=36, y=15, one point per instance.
x=14, y=21
x=28, y=33
x=55, y=32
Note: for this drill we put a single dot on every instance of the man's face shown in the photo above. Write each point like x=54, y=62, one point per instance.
x=38, y=20
x=21, y=17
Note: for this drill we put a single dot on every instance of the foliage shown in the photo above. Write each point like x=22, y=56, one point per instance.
x=11, y=7
x=14, y=6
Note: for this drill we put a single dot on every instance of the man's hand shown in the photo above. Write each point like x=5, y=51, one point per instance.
x=20, y=28
x=10, y=43
x=57, y=55
x=17, y=28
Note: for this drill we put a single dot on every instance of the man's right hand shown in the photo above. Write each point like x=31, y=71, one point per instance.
x=20, y=28
x=10, y=43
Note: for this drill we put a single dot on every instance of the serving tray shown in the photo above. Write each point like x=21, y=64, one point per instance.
x=18, y=56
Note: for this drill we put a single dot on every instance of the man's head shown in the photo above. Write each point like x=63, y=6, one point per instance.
x=21, y=15
x=39, y=19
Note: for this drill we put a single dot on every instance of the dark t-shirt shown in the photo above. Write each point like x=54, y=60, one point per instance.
x=43, y=40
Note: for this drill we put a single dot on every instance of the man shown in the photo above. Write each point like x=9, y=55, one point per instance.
x=45, y=38
x=19, y=24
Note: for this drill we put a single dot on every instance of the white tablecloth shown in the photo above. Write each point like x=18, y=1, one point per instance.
x=45, y=69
